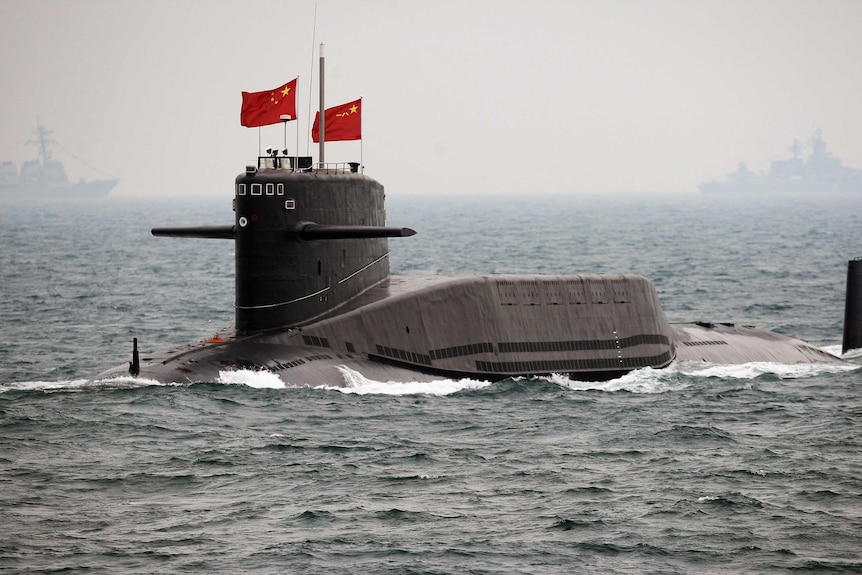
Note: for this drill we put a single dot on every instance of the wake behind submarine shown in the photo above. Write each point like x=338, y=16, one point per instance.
x=315, y=300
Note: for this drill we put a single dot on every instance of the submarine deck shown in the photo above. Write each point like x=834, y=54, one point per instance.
x=709, y=342
x=727, y=343
x=282, y=350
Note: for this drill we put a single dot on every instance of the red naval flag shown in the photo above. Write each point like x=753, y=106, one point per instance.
x=343, y=122
x=264, y=108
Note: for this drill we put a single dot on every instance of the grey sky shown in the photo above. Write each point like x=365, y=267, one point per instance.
x=461, y=96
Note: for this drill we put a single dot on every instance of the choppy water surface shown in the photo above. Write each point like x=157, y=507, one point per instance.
x=698, y=469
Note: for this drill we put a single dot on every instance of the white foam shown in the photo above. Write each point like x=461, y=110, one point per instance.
x=257, y=379
x=854, y=355
x=756, y=369
x=361, y=385
x=646, y=380
x=129, y=381
x=684, y=374
x=832, y=349
x=43, y=385
x=851, y=355
x=78, y=384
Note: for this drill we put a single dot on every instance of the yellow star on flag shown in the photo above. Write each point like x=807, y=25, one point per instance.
x=268, y=106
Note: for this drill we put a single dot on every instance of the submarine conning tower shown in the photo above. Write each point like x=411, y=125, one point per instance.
x=307, y=240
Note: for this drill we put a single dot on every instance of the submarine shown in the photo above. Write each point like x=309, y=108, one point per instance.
x=315, y=301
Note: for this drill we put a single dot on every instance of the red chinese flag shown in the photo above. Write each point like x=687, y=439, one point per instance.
x=343, y=122
x=264, y=108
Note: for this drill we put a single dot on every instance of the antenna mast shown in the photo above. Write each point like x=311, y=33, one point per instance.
x=322, y=118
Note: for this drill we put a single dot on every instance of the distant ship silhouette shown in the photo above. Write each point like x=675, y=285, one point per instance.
x=45, y=177
x=819, y=172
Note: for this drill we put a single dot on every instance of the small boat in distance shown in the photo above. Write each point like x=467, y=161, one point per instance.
x=819, y=172
x=45, y=177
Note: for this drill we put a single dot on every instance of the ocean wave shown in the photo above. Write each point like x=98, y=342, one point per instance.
x=646, y=380
x=681, y=375
x=757, y=369
x=678, y=376
x=75, y=385
x=42, y=385
x=851, y=355
x=640, y=381
x=361, y=385
x=258, y=379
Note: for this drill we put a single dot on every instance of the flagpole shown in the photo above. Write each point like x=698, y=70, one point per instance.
x=285, y=118
x=361, y=160
x=308, y=119
x=322, y=112
x=296, y=150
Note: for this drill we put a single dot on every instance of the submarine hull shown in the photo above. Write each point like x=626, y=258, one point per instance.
x=428, y=328
x=316, y=304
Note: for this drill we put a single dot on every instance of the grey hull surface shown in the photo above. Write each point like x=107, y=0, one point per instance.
x=722, y=343
x=431, y=328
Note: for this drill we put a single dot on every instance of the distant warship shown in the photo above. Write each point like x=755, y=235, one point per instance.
x=45, y=177
x=819, y=172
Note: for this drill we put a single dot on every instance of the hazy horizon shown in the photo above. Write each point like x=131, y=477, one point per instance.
x=469, y=97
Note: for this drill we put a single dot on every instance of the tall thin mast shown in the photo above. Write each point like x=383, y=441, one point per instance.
x=43, y=141
x=322, y=113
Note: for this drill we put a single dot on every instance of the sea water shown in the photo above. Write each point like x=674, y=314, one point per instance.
x=695, y=469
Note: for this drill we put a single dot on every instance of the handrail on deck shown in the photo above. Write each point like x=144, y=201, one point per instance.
x=304, y=164
x=340, y=167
